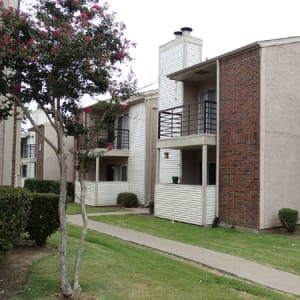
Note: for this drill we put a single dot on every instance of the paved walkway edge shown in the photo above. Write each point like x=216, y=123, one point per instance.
x=233, y=265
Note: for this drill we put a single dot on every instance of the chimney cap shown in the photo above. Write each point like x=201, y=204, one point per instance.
x=188, y=29
x=177, y=33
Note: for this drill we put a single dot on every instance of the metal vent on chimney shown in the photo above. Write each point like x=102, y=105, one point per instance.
x=186, y=30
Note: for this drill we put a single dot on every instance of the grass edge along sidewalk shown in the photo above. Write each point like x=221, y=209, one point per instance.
x=113, y=269
x=272, y=250
x=234, y=265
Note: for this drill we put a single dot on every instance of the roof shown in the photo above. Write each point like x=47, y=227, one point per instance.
x=181, y=74
x=147, y=95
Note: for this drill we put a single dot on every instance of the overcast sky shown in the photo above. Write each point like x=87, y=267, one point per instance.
x=223, y=25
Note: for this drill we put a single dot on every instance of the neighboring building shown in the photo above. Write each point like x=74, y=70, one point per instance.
x=10, y=131
x=10, y=137
x=229, y=128
x=38, y=159
x=130, y=165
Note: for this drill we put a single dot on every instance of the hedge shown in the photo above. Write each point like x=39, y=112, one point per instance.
x=48, y=186
x=42, y=186
x=288, y=218
x=127, y=199
x=14, y=213
x=44, y=217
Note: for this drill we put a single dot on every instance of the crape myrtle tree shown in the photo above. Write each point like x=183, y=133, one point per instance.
x=52, y=56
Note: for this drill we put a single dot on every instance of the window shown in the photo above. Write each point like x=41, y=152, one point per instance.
x=23, y=170
x=116, y=172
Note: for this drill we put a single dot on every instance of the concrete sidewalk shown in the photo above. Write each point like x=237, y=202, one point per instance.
x=236, y=266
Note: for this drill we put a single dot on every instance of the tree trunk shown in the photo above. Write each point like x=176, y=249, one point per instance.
x=76, y=285
x=64, y=282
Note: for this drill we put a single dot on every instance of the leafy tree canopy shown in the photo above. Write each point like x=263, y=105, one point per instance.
x=58, y=52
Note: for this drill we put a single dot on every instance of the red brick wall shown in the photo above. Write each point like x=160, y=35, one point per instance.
x=239, y=139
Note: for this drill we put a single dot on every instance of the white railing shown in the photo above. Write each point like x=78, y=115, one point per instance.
x=102, y=193
x=184, y=203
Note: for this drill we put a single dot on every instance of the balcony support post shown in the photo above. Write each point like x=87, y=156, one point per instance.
x=204, y=185
x=97, y=179
x=157, y=166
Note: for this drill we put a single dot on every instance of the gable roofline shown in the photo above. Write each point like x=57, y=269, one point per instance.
x=178, y=75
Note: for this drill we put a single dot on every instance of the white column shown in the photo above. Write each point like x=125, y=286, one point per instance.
x=218, y=141
x=204, y=184
x=96, y=180
x=157, y=180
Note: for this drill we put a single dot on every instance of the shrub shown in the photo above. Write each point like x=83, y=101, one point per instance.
x=151, y=207
x=44, y=217
x=127, y=200
x=70, y=191
x=42, y=186
x=288, y=218
x=49, y=186
x=14, y=213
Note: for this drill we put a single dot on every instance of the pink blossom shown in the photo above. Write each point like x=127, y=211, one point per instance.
x=120, y=56
x=17, y=89
x=54, y=18
x=5, y=39
x=109, y=147
x=47, y=27
x=75, y=2
x=96, y=6
x=30, y=42
x=89, y=38
x=83, y=16
x=87, y=110
x=11, y=51
x=57, y=32
x=6, y=14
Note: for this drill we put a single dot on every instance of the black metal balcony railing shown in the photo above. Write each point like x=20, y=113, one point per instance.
x=28, y=151
x=118, y=138
x=197, y=118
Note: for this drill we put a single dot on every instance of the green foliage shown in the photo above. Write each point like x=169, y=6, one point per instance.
x=44, y=217
x=14, y=213
x=70, y=191
x=281, y=252
x=114, y=269
x=288, y=218
x=42, y=186
x=151, y=207
x=60, y=51
x=127, y=200
x=48, y=186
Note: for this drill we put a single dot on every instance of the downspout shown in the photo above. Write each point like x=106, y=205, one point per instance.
x=218, y=140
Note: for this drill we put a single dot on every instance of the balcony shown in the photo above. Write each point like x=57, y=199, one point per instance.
x=117, y=138
x=28, y=151
x=185, y=120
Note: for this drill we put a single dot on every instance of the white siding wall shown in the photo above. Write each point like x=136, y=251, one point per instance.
x=174, y=56
x=107, y=192
x=136, y=160
x=194, y=53
x=211, y=203
x=184, y=203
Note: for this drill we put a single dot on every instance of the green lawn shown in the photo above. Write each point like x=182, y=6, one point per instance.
x=74, y=208
x=115, y=270
x=273, y=250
